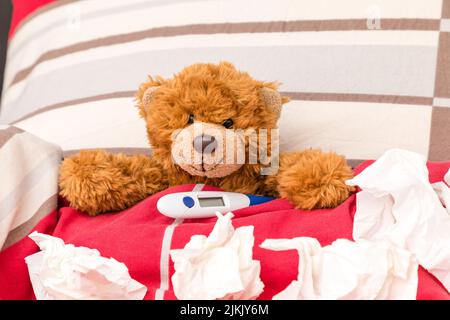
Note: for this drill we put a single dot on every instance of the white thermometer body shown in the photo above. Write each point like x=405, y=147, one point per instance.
x=200, y=204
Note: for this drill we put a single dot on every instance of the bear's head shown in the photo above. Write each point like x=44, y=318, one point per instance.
x=207, y=120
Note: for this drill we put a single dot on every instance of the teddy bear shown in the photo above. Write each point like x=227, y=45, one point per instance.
x=210, y=124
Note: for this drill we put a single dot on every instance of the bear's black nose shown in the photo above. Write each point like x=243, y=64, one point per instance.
x=205, y=143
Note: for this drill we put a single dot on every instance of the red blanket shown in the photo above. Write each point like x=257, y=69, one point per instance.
x=141, y=238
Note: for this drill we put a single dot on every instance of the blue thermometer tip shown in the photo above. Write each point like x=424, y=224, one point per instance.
x=254, y=200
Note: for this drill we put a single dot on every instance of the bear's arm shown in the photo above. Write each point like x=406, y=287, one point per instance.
x=97, y=181
x=310, y=179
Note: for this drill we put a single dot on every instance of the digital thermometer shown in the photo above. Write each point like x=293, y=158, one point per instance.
x=201, y=204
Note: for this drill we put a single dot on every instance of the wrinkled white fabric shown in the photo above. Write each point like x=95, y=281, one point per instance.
x=398, y=204
x=219, y=266
x=64, y=272
x=348, y=270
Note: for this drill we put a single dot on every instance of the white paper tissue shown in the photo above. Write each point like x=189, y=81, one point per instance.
x=219, y=266
x=64, y=272
x=398, y=204
x=348, y=270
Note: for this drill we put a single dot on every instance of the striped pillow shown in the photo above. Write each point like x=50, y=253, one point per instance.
x=29, y=182
x=363, y=78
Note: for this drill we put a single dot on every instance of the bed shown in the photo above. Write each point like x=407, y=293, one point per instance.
x=362, y=78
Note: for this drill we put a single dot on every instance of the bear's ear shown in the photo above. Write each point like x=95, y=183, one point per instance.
x=272, y=99
x=144, y=98
x=147, y=97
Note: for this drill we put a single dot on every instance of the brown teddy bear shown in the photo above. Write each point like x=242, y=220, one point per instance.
x=209, y=124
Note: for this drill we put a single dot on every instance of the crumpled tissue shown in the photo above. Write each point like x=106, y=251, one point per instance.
x=398, y=204
x=65, y=272
x=348, y=270
x=219, y=266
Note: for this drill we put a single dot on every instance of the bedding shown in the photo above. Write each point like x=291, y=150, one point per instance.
x=362, y=78
x=142, y=238
x=29, y=170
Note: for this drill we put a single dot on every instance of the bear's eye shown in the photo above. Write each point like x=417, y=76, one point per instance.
x=191, y=119
x=228, y=123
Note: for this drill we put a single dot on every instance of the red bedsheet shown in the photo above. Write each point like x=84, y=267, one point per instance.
x=135, y=237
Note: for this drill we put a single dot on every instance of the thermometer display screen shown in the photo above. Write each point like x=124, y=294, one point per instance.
x=211, y=202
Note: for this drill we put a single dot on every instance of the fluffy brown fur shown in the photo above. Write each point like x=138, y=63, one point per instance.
x=97, y=182
x=321, y=175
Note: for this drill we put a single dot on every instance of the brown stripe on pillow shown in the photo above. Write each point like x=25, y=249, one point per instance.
x=376, y=98
x=446, y=9
x=127, y=151
x=440, y=135
x=302, y=96
x=442, y=84
x=112, y=95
